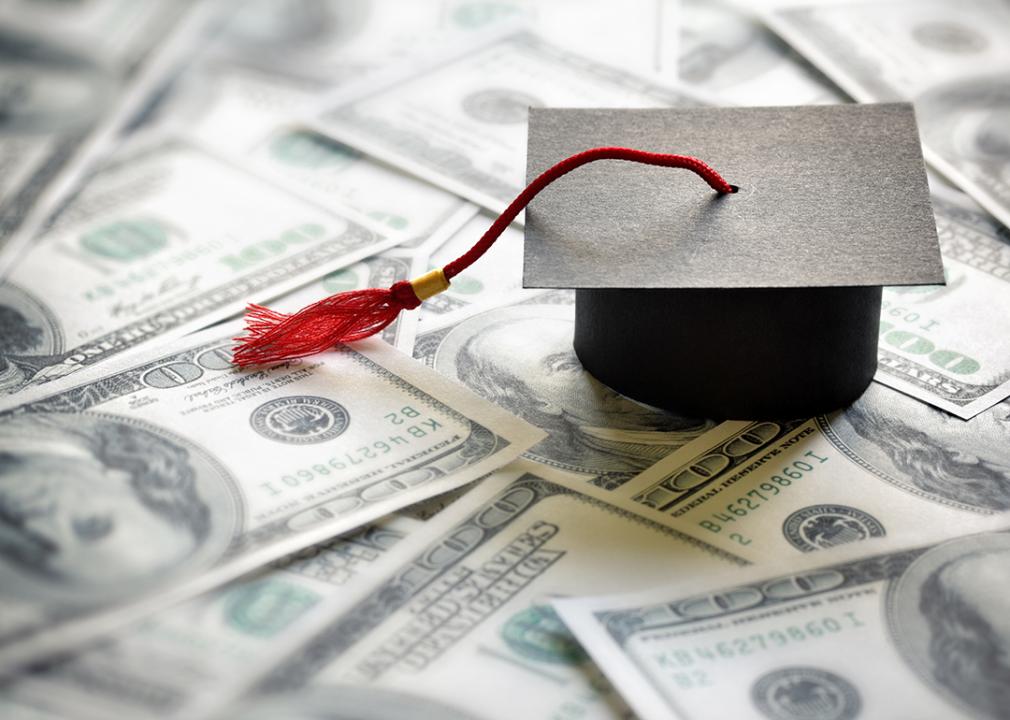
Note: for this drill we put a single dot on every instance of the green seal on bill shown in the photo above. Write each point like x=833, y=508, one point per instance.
x=537, y=633
x=265, y=608
x=126, y=239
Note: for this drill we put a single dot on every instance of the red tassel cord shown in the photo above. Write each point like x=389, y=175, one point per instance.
x=273, y=337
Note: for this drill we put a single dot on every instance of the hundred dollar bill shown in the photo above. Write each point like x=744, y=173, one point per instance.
x=950, y=345
x=272, y=59
x=918, y=632
x=74, y=75
x=156, y=478
x=189, y=660
x=261, y=132
x=468, y=612
x=520, y=356
x=496, y=281
x=163, y=241
x=951, y=60
x=117, y=31
x=888, y=465
x=330, y=41
x=462, y=125
x=726, y=50
x=328, y=170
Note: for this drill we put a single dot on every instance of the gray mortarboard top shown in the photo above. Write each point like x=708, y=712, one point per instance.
x=763, y=303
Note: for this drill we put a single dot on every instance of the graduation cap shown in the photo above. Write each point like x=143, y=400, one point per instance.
x=764, y=303
x=762, y=300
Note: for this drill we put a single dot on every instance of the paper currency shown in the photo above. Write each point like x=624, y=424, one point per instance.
x=189, y=660
x=164, y=241
x=888, y=465
x=521, y=357
x=726, y=50
x=158, y=478
x=950, y=345
x=74, y=76
x=330, y=41
x=330, y=170
x=118, y=32
x=952, y=60
x=462, y=125
x=474, y=603
x=242, y=93
x=272, y=59
x=145, y=479
x=917, y=632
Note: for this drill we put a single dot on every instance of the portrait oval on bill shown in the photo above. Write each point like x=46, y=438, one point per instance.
x=947, y=614
x=28, y=329
x=969, y=120
x=723, y=48
x=926, y=451
x=521, y=358
x=46, y=90
x=98, y=507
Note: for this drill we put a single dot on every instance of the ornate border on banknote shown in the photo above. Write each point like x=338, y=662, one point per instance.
x=189, y=365
x=461, y=540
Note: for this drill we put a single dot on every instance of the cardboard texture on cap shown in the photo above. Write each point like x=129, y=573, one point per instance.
x=829, y=196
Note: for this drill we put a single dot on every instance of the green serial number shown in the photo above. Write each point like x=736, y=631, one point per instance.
x=765, y=492
x=408, y=424
x=749, y=645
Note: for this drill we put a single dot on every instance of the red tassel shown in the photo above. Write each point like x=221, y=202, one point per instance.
x=353, y=315
x=356, y=314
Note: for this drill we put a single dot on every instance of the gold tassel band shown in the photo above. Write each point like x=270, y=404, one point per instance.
x=429, y=284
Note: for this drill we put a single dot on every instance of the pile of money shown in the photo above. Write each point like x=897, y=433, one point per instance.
x=453, y=519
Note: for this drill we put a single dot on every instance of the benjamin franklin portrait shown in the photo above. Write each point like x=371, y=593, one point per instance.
x=47, y=90
x=521, y=358
x=27, y=331
x=724, y=48
x=92, y=506
x=968, y=122
x=928, y=450
x=950, y=616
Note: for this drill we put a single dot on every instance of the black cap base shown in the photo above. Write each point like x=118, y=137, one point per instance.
x=729, y=353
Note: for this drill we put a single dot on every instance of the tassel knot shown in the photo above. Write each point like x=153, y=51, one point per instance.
x=353, y=315
x=403, y=293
